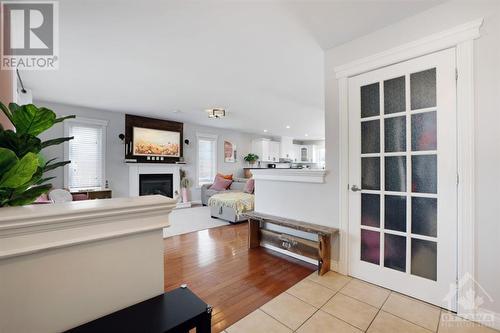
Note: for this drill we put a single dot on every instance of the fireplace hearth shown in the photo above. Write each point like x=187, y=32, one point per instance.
x=150, y=184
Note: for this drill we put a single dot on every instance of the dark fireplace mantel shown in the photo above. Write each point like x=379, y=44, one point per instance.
x=150, y=184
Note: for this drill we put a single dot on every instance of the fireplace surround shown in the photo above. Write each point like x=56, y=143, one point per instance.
x=136, y=170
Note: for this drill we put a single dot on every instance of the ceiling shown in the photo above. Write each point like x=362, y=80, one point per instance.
x=263, y=61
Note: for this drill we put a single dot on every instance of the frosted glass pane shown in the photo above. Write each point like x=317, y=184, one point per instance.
x=424, y=173
x=370, y=173
x=370, y=100
x=370, y=137
x=423, y=89
x=423, y=131
x=424, y=216
x=394, y=95
x=424, y=258
x=395, y=134
x=370, y=246
x=395, y=212
x=370, y=210
x=395, y=173
x=395, y=252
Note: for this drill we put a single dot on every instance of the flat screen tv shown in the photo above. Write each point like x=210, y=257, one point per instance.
x=149, y=140
x=153, y=142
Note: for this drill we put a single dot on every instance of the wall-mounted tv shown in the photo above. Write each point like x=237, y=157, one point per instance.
x=153, y=140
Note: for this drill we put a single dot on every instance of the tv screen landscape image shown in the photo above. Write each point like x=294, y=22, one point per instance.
x=153, y=142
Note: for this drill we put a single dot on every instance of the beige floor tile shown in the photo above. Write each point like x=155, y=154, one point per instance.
x=386, y=323
x=331, y=280
x=366, y=292
x=311, y=292
x=415, y=311
x=452, y=324
x=258, y=322
x=289, y=310
x=350, y=310
x=322, y=322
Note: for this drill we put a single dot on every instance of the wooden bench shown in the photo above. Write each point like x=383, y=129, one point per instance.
x=177, y=311
x=318, y=250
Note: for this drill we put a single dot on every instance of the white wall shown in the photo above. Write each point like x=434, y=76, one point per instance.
x=117, y=170
x=487, y=84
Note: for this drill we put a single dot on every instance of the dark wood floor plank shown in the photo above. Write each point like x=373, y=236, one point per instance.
x=217, y=265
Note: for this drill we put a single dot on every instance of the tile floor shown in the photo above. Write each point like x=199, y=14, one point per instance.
x=340, y=304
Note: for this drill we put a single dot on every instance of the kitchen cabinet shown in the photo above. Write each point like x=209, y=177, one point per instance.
x=267, y=150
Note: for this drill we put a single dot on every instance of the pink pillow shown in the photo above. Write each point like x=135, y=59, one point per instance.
x=249, y=186
x=220, y=184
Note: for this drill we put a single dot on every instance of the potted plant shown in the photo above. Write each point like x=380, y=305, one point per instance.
x=185, y=184
x=251, y=158
x=22, y=167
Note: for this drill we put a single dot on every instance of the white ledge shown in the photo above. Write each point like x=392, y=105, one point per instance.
x=290, y=175
x=29, y=229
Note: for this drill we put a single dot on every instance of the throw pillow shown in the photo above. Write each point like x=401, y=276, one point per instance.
x=225, y=176
x=220, y=184
x=249, y=186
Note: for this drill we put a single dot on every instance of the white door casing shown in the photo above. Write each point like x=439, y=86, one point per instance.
x=421, y=284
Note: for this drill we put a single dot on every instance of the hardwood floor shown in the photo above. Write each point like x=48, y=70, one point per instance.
x=217, y=265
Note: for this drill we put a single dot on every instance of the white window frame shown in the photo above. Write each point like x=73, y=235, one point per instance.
x=89, y=121
x=214, y=138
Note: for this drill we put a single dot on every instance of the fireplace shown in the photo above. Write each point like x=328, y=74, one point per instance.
x=156, y=184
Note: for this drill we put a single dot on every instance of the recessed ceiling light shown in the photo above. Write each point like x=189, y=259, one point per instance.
x=216, y=113
x=176, y=111
x=306, y=134
x=265, y=131
x=287, y=126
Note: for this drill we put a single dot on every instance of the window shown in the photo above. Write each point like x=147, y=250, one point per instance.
x=207, y=158
x=86, y=153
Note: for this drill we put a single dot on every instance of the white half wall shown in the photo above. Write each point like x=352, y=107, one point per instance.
x=487, y=85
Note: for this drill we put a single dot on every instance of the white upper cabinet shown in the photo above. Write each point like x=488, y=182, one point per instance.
x=267, y=150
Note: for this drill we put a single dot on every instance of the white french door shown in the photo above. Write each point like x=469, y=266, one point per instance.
x=403, y=177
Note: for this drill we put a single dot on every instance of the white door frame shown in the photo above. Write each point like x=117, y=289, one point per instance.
x=462, y=38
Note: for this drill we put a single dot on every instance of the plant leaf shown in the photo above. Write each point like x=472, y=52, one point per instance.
x=55, y=141
x=6, y=111
x=7, y=160
x=58, y=120
x=29, y=196
x=53, y=166
x=21, y=172
x=20, y=144
x=28, y=119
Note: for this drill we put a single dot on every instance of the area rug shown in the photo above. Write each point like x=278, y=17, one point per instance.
x=186, y=220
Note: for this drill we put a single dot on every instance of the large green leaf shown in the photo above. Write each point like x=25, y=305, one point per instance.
x=28, y=119
x=21, y=172
x=61, y=119
x=52, y=166
x=21, y=144
x=7, y=160
x=29, y=196
x=55, y=141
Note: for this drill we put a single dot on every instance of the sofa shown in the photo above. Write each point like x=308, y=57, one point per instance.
x=238, y=185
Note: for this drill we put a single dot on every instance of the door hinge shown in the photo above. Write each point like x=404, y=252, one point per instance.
x=458, y=179
x=456, y=74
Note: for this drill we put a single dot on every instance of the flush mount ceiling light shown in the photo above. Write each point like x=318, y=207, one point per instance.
x=287, y=126
x=216, y=113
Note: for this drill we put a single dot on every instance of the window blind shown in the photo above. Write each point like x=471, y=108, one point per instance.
x=206, y=160
x=86, y=156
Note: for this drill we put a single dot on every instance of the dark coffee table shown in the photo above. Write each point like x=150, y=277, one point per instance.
x=176, y=311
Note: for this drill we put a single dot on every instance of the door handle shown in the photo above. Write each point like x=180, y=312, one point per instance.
x=355, y=188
